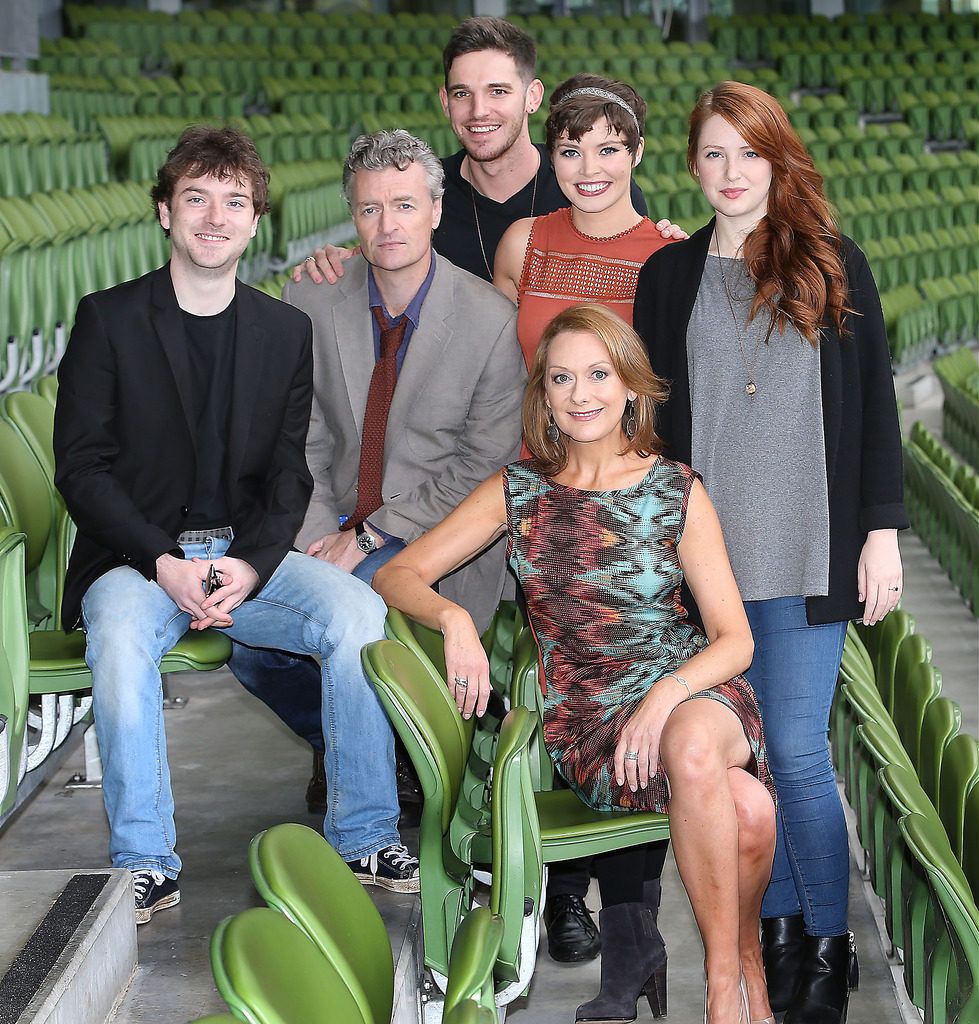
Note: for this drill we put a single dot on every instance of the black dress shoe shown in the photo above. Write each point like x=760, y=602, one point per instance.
x=572, y=936
x=781, y=950
x=316, y=789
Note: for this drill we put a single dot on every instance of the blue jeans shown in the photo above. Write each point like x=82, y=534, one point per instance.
x=309, y=607
x=794, y=675
x=289, y=685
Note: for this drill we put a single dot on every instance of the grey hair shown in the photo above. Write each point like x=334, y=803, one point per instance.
x=396, y=148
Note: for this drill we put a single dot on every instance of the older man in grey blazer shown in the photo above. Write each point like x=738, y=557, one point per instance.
x=418, y=381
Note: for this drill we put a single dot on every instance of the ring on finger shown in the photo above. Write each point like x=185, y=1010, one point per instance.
x=632, y=755
x=461, y=681
x=310, y=259
x=894, y=590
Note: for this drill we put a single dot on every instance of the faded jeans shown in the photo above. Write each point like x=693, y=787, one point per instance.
x=308, y=607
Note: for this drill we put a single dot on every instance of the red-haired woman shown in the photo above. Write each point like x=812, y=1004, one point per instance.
x=768, y=326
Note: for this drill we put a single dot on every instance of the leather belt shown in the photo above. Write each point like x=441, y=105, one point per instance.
x=199, y=536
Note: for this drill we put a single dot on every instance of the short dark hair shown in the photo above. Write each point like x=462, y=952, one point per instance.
x=574, y=115
x=224, y=153
x=484, y=33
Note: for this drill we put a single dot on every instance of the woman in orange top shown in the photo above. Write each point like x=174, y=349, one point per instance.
x=592, y=252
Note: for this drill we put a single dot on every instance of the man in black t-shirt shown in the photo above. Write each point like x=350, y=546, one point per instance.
x=500, y=175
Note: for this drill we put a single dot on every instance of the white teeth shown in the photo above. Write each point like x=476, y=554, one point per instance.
x=213, y=238
x=482, y=129
x=592, y=186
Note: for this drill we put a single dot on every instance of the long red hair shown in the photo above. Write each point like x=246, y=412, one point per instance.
x=794, y=253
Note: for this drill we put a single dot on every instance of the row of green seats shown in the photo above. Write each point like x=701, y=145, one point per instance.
x=320, y=952
x=942, y=504
x=824, y=64
x=902, y=213
x=905, y=172
x=753, y=37
x=896, y=742
x=958, y=374
x=911, y=323
x=39, y=166
x=922, y=255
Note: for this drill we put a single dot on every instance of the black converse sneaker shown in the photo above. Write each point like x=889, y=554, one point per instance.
x=391, y=868
x=154, y=891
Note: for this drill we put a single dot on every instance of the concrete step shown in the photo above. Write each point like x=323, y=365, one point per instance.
x=67, y=945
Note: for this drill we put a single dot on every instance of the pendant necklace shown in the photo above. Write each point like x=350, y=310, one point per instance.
x=479, y=233
x=750, y=387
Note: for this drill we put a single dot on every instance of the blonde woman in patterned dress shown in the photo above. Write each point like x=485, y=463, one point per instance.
x=594, y=250
x=643, y=710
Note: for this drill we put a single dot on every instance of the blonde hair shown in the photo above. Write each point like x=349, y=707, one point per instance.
x=631, y=364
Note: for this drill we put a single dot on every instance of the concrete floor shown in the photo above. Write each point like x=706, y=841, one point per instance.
x=237, y=770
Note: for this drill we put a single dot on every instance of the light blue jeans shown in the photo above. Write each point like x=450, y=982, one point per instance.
x=794, y=675
x=308, y=607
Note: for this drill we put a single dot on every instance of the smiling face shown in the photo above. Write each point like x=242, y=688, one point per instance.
x=735, y=178
x=585, y=395
x=395, y=215
x=487, y=103
x=210, y=222
x=595, y=173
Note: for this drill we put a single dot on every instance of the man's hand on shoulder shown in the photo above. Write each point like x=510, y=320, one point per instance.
x=340, y=549
x=325, y=264
x=238, y=580
x=670, y=231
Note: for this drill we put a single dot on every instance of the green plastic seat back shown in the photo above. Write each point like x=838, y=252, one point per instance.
x=525, y=692
x=959, y=775
x=47, y=386
x=426, y=643
x=473, y=957
x=297, y=872
x=893, y=630
x=269, y=972
x=915, y=687
x=940, y=722
x=970, y=841
x=498, y=642
x=470, y=1013
x=518, y=861
x=14, y=657
x=958, y=981
x=25, y=493
x=33, y=416
x=426, y=719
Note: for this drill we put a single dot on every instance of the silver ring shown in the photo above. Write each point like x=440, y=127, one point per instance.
x=461, y=681
x=632, y=755
x=310, y=259
x=893, y=590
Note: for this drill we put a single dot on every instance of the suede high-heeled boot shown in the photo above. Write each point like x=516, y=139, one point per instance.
x=781, y=952
x=633, y=962
x=829, y=971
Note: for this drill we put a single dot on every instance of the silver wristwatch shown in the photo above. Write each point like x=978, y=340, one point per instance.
x=365, y=540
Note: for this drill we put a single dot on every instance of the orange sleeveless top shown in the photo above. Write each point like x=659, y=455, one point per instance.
x=563, y=267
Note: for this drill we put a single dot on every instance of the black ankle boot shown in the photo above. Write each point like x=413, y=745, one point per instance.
x=652, y=895
x=781, y=951
x=633, y=962
x=829, y=970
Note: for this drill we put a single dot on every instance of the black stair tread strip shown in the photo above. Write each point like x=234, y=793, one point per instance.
x=50, y=939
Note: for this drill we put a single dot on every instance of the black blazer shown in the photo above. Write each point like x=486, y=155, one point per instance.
x=124, y=448
x=860, y=424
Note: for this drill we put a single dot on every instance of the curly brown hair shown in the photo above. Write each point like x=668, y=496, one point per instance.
x=631, y=364
x=223, y=153
x=794, y=254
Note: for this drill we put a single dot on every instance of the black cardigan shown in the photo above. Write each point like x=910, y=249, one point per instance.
x=860, y=424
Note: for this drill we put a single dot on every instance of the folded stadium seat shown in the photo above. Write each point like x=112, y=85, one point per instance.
x=941, y=720
x=959, y=774
x=14, y=691
x=916, y=685
x=47, y=387
x=953, y=983
x=970, y=841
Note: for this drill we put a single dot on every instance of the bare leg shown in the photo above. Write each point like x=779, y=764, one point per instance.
x=703, y=740
x=756, y=847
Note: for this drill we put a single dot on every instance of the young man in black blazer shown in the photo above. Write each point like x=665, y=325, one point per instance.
x=183, y=405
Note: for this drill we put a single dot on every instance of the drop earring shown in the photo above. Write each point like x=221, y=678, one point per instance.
x=630, y=420
x=553, y=434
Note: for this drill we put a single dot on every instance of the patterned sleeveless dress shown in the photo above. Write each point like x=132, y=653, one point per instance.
x=601, y=575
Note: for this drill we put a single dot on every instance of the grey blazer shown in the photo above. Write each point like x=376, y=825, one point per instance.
x=454, y=419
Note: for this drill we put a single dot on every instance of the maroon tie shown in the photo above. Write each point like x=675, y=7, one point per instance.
x=379, y=395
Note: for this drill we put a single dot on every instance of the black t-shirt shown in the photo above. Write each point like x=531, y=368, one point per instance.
x=210, y=357
x=457, y=237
